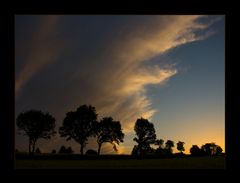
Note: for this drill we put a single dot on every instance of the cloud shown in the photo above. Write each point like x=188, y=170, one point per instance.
x=123, y=94
x=113, y=75
x=124, y=80
x=42, y=51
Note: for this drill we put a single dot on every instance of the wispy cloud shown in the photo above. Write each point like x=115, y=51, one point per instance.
x=43, y=50
x=124, y=80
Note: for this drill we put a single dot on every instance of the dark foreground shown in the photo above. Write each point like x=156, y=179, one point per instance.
x=214, y=162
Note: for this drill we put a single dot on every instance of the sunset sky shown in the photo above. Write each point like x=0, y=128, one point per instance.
x=168, y=69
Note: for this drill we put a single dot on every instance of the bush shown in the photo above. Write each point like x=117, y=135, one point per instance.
x=54, y=151
x=91, y=152
x=38, y=151
x=69, y=150
x=62, y=150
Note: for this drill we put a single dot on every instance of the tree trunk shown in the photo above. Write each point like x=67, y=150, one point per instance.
x=29, y=146
x=33, y=148
x=99, y=148
x=81, y=149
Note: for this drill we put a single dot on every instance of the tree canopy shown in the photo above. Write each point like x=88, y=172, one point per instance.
x=35, y=124
x=211, y=149
x=110, y=131
x=180, y=146
x=219, y=150
x=196, y=151
x=206, y=149
x=79, y=125
x=145, y=136
x=168, y=146
x=160, y=143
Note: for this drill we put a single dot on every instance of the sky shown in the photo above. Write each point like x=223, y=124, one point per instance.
x=169, y=69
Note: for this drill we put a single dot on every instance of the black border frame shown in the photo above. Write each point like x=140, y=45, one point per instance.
x=232, y=122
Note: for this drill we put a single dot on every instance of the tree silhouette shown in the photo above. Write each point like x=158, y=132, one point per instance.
x=78, y=125
x=219, y=150
x=160, y=150
x=207, y=149
x=168, y=146
x=180, y=146
x=211, y=149
x=135, y=150
x=145, y=135
x=35, y=124
x=160, y=143
x=196, y=151
x=110, y=131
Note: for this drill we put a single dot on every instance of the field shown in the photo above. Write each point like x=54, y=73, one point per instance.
x=215, y=162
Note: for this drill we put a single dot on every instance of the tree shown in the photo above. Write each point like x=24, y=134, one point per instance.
x=110, y=131
x=135, y=150
x=180, y=146
x=160, y=143
x=145, y=135
x=160, y=150
x=35, y=124
x=206, y=148
x=218, y=150
x=196, y=151
x=79, y=125
x=168, y=146
x=209, y=148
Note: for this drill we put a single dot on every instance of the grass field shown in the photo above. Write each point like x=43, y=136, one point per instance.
x=216, y=162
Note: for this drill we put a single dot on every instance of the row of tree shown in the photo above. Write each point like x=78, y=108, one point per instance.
x=146, y=137
x=79, y=125
x=206, y=149
x=62, y=150
x=82, y=124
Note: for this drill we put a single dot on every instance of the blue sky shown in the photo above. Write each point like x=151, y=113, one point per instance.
x=194, y=99
x=169, y=69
